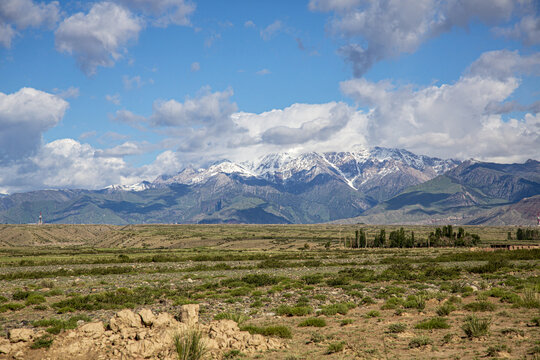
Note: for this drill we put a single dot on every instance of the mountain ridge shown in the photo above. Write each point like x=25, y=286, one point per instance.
x=376, y=185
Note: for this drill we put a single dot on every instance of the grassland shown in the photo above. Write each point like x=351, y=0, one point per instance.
x=294, y=282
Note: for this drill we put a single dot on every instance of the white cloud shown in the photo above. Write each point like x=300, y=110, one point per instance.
x=502, y=64
x=452, y=120
x=195, y=67
x=23, y=14
x=206, y=109
x=99, y=37
x=24, y=117
x=115, y=99
x=162, y=13
x=134, y=82
x=526, y=30
x=249, y=24
x=69, y=93
x=268, y=32
x=384, y=29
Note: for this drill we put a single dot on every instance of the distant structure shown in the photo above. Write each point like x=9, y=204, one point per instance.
x=40, y=221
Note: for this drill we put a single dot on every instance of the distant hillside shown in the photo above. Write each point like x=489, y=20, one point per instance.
x=471, y=193
x=380, y=186
x=277, y=189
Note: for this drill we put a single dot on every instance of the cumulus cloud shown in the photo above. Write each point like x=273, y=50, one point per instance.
x=22, y=14
x=99, y=37
x=195, y=67
x=300, y=128
x=208, y=108
x=24, y=117
x=382, y=29
x=502, y=64
x=249, y=24
x=452, y=120
x=162, y=13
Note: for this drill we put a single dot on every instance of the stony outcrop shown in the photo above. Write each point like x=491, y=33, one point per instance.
x=141, y=335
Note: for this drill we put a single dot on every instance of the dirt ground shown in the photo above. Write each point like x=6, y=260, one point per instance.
x=372, y=302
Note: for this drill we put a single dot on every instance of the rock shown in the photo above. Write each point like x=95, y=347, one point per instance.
x=189, y=314
x=164, y=320
x=124, y=320
x=5, y=346
x=147, y=317
x=24, y=335
x=93, y=329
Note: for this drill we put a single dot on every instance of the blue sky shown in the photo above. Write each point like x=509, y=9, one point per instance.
x=94, y=93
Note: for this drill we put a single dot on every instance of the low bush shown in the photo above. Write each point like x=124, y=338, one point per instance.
x=44, y=341
x=335, y=347
x=236, y=317
x=420, y=341
x=190, y=345
x=445, y=309
x=415, y=302
x=434, y=323
x=338, y=308
x=474, y=327
x=315, y=322
x=279, y=330
x=397, y=328
x=294, y=310
x=480, y=306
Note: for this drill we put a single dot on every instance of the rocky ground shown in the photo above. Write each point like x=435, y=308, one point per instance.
x=296, y=301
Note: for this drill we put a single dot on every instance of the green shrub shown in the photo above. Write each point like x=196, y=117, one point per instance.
x=294, y=310
x=373, y=313
x=397, y=328
x=260, y=279
x=474, y=327
x=367, y=300
x=338, y=308
x=236, y=317
x=280, y=331
x=189, y=345
x=346, y=322
x=392, y=303
x=233, y=354
x=44, y=341
x=445, y=309
x=335, y=347
x=315, y=322
x=11, y=306
x=415, y=302
x=420, y=341
x=312, y=279
x=433, y=323
x=530, y=299
x=35, y=299
x=480, y=306
x=55, y=326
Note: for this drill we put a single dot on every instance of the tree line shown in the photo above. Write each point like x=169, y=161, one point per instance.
x=445, y=236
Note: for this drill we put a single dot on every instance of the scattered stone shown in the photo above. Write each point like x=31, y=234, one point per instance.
x=189, y=314
x=24, y=335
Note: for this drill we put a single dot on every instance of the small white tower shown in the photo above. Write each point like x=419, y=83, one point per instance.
x=40, y=221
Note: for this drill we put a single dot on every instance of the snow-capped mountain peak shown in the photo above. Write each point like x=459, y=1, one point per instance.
x=361, y=170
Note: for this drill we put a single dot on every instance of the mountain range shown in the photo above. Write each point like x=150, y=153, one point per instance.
x=379, y=185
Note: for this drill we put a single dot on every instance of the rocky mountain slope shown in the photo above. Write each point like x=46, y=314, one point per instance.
x=381, y=184
x=471, y=193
